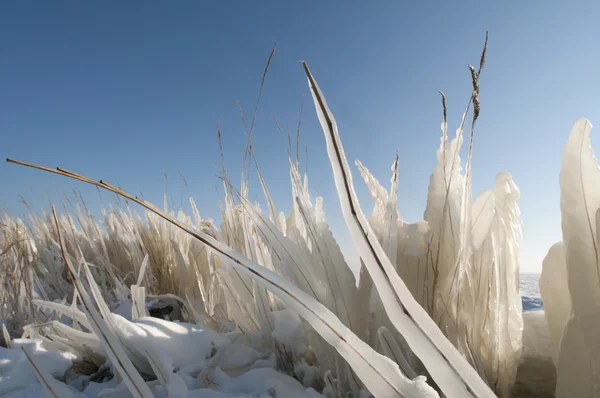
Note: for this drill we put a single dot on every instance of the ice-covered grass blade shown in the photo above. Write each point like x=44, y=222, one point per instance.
x=579, y=354
x=6, y=336
x=392, y=350
x=73, y=313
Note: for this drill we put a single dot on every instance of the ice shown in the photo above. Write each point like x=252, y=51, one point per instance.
x=579, y=353
x=554, y=290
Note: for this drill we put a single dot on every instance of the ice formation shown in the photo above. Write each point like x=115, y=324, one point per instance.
x=554, y=290
x=452, y=289
x=571, y=281
x=266, y=306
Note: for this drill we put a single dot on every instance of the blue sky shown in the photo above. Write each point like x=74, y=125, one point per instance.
x=124, y=92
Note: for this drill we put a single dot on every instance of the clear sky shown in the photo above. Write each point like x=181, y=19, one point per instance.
x=126, y=90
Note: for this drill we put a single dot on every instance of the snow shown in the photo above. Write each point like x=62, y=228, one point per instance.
x=179, y=347
x=16, y=372
x=288, y=329
x=185, y=343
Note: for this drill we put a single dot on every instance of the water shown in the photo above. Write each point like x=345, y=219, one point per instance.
x=530, y=292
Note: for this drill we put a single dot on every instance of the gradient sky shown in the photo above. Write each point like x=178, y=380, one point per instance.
x=124, y=92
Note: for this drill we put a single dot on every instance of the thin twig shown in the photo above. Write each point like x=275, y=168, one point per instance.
x=262, y=83
x=298, y=132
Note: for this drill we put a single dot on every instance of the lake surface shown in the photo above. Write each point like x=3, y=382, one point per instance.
x=530, y=292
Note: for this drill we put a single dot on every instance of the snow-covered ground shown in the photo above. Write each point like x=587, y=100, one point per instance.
x=190, y=361
x=198, y=362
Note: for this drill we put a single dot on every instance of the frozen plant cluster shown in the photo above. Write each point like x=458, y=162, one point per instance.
x=570, y=280
x=265, y=305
